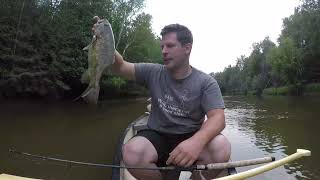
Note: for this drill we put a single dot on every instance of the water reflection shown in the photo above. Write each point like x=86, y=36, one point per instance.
x=271, y=126
x=274, y=126
x=71, y=131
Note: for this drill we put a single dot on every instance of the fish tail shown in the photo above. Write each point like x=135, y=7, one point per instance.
x=90, y=95
x=83, y=94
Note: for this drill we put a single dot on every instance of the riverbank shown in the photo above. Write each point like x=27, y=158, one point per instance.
x=309, y=89
x=312, y=89
x=129, y=91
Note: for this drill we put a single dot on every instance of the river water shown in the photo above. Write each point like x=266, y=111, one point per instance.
x=256, y=127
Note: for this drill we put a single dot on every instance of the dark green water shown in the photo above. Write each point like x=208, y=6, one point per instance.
x=66, y=130
x=271, y=126
x=275, y=126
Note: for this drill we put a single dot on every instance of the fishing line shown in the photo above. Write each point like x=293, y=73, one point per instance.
x=225, y=165
x=87, y=163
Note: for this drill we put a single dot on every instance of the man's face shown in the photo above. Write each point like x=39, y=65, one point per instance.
x=174, y=54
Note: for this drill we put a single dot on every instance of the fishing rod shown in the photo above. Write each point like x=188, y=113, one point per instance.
x=225, y=165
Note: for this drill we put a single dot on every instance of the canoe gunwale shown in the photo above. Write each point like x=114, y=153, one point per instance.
x=115, y=175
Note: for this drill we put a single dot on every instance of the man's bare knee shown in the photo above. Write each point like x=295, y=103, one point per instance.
x=220, y=148
x=217, y=150
x=131, y=155
x=138, y=151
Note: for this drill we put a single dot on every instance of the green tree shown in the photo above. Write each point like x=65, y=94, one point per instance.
x=293, y=62
x=41, y=43
x=286, y=61
x=258, y=68
x=303, y=28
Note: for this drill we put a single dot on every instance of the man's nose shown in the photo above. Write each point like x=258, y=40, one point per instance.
x=164, y=50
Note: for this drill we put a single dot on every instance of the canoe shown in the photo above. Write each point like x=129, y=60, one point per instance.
x=12, y=177
x=140, y=124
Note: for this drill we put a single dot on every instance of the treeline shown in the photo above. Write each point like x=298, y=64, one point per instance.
x=293, y=62
x=41, y=44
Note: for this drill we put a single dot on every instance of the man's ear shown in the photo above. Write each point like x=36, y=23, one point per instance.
x=188, y=48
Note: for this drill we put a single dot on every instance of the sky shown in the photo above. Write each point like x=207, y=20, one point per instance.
x=222, y=30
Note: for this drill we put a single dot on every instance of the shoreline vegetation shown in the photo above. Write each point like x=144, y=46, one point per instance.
x=41, y=54
x=41, y=44
x=312, y=89
x=291, y=66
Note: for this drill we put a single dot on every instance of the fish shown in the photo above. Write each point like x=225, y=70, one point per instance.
x=100, y=55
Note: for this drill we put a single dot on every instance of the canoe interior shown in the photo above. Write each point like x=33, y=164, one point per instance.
x=139, y=124
x=12, y=177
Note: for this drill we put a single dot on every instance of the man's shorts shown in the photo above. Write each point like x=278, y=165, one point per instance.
x=164, y=143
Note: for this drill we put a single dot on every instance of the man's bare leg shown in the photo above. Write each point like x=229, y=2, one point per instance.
x=216, y=151
x=139, y=151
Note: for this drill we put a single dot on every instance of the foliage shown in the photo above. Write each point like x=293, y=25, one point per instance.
x=287, y=62
x=250, y=73
x=41, y=43
x=276, y=91
x=117, y=82
x=313, y=87
x=295, y=61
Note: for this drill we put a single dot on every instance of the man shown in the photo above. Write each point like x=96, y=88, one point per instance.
x=181, y=97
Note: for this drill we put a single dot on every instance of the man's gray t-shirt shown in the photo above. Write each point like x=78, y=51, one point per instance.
x=178, y=106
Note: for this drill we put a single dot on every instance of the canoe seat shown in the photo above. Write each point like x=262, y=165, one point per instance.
x=141, y=124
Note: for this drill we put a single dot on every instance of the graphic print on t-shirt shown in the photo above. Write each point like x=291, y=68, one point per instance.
x=169, y=105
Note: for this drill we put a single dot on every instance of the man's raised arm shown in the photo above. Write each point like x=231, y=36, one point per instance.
x=122, y=67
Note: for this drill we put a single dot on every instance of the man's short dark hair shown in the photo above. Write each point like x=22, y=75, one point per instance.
x=184, y=35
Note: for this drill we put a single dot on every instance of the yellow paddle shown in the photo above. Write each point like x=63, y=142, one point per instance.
x=259, y=170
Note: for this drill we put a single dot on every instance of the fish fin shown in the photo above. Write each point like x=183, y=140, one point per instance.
x=76, y=99
x=85, y=77
x=85, y=92
x=90, y=95
x=94, y=38
x=86, y=48
x=90, y=91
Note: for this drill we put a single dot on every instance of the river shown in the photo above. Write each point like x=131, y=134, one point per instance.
x=256, y=127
